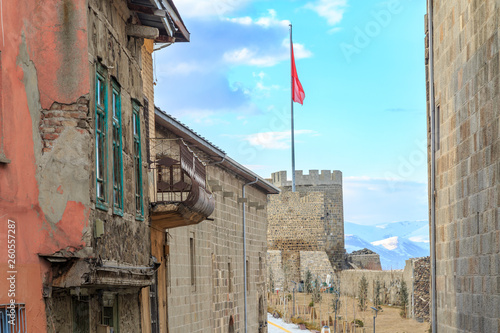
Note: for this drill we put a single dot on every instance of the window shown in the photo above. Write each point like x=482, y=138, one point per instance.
x=229, y=278
x=117, y=150
x=437, y=125
x=110, y=311
x=191, y=259
x=13, y=318
x=136, y=124
x=101, y=110
x=248, y=275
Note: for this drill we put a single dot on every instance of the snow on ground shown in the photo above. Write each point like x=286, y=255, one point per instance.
x=390, y=243
x=292, y=328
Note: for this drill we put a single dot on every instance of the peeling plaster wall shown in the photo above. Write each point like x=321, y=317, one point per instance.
x=48, y=54
x=42, y=63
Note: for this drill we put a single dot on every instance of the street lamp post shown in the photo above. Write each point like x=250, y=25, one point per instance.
x=375, y=316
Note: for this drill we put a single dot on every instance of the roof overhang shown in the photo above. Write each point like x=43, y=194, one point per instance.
x=162, y=15
x=215, y=153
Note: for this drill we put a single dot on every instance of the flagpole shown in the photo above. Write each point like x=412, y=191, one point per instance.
x=291, y=104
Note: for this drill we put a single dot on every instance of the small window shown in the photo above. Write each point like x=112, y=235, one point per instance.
x=136, y=124
x=101, y=125
x=192, y=259
x=248, y=275
x=229, y=278
x=13, y=318
x=117, y=150
x=110, y=311
x=437, y=122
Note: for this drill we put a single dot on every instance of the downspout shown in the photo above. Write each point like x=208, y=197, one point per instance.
x=245, y=247
x=432, y=111
x=219, y=162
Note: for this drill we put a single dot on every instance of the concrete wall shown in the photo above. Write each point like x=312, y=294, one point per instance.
x=466, y=87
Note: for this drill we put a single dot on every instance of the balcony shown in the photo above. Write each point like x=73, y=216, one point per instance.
x=179, y=195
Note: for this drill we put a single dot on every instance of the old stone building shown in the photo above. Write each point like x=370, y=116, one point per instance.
x=73, y=171
x=306, y=227
x=463, y=75
x=212, y=270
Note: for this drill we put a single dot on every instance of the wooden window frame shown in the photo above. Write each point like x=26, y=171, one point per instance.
x=116, y=115
x=101, y=153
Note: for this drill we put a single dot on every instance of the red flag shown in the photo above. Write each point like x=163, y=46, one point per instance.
x=298, y=94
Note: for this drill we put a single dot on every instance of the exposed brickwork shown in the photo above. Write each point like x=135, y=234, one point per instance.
x=466, y=87
x=60, y=116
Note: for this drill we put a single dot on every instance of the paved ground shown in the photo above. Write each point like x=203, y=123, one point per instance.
x=280, y=326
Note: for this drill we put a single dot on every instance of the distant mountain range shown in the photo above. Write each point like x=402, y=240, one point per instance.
x=394, y=242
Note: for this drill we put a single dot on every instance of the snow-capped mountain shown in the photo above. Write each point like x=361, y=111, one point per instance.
x=394, y=242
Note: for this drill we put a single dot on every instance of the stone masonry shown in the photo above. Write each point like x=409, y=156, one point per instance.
x=467, y=95
x=311, y=219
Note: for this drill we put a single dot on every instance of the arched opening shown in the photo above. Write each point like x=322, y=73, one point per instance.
x=231, y=325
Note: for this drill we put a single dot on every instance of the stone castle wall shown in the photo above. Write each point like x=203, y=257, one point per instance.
x=366, y=261
x=467, y=96
x=313, y=215
x=416, y=274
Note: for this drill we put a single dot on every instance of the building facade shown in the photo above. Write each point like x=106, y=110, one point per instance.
x=205, y=270
x=73, y=177
x=463, y=74
x=307, y=226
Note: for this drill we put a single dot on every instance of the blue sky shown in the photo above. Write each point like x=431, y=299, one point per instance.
x=361, y=64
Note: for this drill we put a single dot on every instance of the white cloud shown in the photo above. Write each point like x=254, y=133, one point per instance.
x=274, y=140
x=264, y=21
x=209, y=8
x=246, y=56
x=181, y=68
x=331, y=10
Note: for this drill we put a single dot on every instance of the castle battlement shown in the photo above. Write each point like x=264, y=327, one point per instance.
x=325, y=177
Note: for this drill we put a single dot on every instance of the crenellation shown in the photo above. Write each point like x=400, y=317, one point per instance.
x=314, y=178
x=308, y=220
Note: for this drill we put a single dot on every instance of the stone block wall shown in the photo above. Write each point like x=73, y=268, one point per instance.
x=467, y=98
x=274, y=265
x=365, y=261
x=317, y=263
x=415, y=274
x=216, y=296
x=317, y=209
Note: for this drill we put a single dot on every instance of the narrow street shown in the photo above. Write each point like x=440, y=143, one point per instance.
x=277, y=325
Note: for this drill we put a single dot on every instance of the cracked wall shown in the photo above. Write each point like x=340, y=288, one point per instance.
x=49, y=52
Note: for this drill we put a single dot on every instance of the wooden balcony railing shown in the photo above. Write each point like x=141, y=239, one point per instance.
x=180, y=195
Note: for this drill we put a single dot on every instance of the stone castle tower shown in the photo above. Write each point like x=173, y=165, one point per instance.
x=311, y=219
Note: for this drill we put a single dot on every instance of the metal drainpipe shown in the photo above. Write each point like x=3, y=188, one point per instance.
x=433, y=166
x=245, y=247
